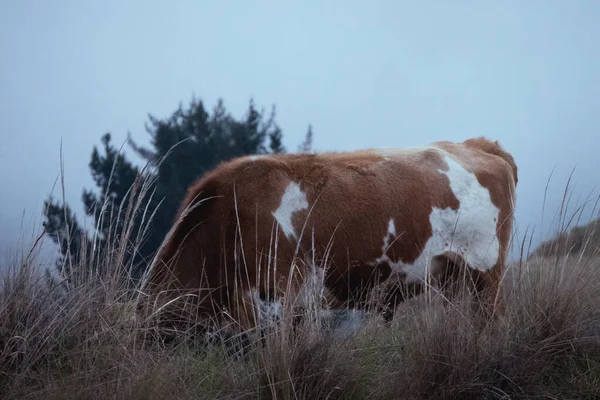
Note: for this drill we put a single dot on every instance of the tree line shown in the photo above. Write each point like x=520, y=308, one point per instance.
x=183, y=146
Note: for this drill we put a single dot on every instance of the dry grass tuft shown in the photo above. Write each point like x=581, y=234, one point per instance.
x=83, y=340
x=84, y=343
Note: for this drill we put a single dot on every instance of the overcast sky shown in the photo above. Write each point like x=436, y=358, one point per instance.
x=365, y=74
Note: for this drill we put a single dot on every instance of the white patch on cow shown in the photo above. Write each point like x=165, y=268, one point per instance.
x=310, y=296
x=312, y=292
x=268, y=312
x=391, y=234
x=293, y=200
x=469, y=231
x=391, y=227
x=257, y=157
x=388, y=153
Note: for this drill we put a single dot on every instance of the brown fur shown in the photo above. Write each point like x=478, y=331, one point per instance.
x=351, y=198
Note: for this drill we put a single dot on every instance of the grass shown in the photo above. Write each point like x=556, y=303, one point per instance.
x=81, y=340
x=86, y=345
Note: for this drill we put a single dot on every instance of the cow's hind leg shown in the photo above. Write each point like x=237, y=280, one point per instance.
x=395, y=291
x=455, y=277
x=452, y=276
x=489, y=294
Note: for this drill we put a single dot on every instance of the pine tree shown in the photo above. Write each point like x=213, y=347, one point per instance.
x=276, y=138
x=114, y=177
x=306, y=146
x=184, y=146
x=62, y=227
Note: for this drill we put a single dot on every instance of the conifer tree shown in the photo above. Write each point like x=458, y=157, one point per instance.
x=183, y=146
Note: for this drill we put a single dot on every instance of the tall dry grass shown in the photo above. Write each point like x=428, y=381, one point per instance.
x=80, y=338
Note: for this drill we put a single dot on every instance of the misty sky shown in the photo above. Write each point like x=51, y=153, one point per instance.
x=365, y=74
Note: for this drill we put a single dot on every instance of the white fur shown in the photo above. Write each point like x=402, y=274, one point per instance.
x=310, y=296
x=268, y=312
x=391, y=233
x=469, y=231
x=391, y=227
x=312, y=292
x=257, y=157
x=390, y=153
x=293, y=200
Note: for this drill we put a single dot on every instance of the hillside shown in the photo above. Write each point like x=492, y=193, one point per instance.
x=584, y=239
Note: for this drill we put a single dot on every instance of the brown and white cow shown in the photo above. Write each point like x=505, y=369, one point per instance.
x=259, y=227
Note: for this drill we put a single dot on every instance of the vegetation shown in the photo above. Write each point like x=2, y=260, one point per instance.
x=184, y=146
x=81, y=339
x=584, y=239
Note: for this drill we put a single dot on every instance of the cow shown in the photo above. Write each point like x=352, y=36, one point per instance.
x=384, y=224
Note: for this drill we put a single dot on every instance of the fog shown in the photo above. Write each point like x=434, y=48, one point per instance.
x=364, y=74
